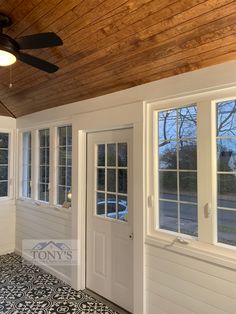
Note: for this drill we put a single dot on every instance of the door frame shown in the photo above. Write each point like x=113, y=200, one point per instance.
x=126, y=116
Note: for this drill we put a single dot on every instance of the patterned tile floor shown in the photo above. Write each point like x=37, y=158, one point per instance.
x=27, y=289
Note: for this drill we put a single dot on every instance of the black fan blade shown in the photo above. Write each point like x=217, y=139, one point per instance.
x=37, y=63
x=37, y=41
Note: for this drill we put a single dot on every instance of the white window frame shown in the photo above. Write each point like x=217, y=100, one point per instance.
x=10, y=165
x=35, y=165
x=206, y=245
x=56, y=158
x=21, y=164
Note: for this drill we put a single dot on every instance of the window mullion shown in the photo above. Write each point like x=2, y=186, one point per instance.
x=206, y=168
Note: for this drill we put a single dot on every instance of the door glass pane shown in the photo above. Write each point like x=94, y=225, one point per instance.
x=111, y=206
x=122, y=155
x=112, y=179
x=187, y=122
x=101, y=179
x=122, y=207
x=101, y=204
x=111, y=155
x=122, y=181
x=101, y=155
x=167, y=125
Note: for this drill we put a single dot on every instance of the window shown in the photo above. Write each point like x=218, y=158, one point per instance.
x=4, y=161
x=64, y=164
x=112, y=181
x=44, y=157
x=26, y=175
x=177, y=170
x=226, y=171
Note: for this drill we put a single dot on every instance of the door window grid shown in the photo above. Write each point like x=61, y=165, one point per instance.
x=111, y=181
x=26, y=177
x=44, y=157
x=4, y=161
x=171, y=206
x=226, y=171
x=64, y=164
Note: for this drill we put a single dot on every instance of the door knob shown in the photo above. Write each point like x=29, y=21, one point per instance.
x=131, y=236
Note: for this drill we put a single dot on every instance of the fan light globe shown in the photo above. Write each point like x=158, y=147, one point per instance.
x=6, y=58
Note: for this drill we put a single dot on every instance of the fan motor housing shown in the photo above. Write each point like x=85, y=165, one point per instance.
x=8, y=44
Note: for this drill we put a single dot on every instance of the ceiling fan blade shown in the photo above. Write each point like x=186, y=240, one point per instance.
x=37, y=62
x=37, y=41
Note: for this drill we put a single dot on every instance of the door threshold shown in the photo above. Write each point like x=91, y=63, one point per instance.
x=111, y=305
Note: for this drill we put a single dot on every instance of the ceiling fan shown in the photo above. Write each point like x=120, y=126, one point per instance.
x=11, y=49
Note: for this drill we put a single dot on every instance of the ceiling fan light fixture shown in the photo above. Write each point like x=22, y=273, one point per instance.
x=6, y=58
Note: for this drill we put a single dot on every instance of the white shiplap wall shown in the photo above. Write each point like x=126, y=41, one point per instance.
x=177, y=284
x=38, y=223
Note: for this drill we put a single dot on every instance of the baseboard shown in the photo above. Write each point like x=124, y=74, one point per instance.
x=45, y=267
x=7, y=249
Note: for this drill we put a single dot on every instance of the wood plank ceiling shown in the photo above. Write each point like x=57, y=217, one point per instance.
x=110, y=45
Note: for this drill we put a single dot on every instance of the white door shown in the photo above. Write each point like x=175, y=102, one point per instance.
x=109, y=269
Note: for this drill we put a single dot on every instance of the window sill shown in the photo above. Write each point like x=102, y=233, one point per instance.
x=44, y=206
x=213, y=254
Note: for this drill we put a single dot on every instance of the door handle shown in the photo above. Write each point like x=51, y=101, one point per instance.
x=131, y=236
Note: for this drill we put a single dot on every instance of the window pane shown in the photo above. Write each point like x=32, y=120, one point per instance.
x=122, y=181
x=62, y=176
x=226, y=118
x=122, y=155
x=64, y=164
x=111, y=155
x=226, y=153
x=3, y=189
x=44, y=165
x=62, y=136
x=100, y=204
x=167, y=155
x=168, y=216
x=187, y=122
x=188, y=219
x=101, y=155
x=167, y=125
x=62, y=156
x=4, y=138
x=111, y=180
x=188, y=155
x=101, y=179
x=122, y=208
x=111, y=206
x=177, y=156
x=3, y=156
x=168, y=185
x=3, y=173
x=188, y=186
x=227, y=190
x=227, y=227
x=26, y=175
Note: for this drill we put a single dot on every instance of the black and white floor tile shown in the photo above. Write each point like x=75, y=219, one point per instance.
x=27, y=289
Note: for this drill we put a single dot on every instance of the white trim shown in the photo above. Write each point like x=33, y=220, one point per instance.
x=119, y=118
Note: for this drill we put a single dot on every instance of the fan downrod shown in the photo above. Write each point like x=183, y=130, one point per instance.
x=5, y=21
